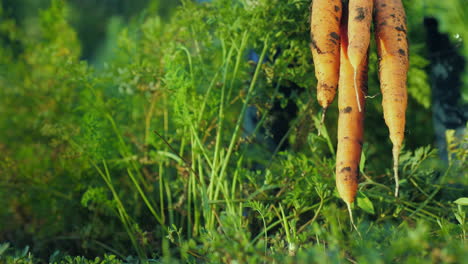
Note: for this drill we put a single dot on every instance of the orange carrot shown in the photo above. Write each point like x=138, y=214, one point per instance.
x=392, y=48
x=325, y=45
x=350, y=123
x=359, y=21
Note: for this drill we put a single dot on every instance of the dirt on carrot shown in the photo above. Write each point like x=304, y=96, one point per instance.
x=325, y=46
x=350, y=122
x=392, y=48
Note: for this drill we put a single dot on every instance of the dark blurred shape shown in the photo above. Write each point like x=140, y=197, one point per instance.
x=282, y=116
x=279, y=120
x=92, y=18
x=17, y=10
x=446, y=69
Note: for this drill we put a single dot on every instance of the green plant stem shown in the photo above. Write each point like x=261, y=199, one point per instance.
x=239, y=58
x=241, y=116
x=123, y=215
x=313, y=218
x=277, y=222
x=430, y=197
x=286, y=227
x=219, y=129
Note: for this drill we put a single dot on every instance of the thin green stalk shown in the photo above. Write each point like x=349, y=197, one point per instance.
x=189, y=206
x=171, y=155
x=277, y=222
x=165, y=116
x=107, y=248
x=241, y=116
x=437, y=189
x=144, y=197
x=264, y=116
x=123, y=215
x=197, y=201
x=203, y=191
x=422, y=213
x=291, y=246
x=182, y=142
x=205, y=99
x=189, y=58
x=149, y=117
x=264, y=228
x=313, y=218
x=214, y=202
x=369, y=181
x=239, y=58
x=191, y=193
x=229, y=203
x=201, y=147
x=234, y=179
x=214, y=177
x=161, y=193
x=219, y=128
x=36, y=185
x=197, y=48
x=170, y=206
x=418, y=187
x=125, y=152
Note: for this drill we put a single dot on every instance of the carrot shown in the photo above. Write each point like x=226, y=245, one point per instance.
x=350, y=122
x=392, y=48
x=359, y=22
x=325, y=46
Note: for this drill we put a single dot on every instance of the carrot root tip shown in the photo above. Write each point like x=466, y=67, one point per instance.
x=356, y=90
x=323, y=115
x=396, y=154
x=350, y=211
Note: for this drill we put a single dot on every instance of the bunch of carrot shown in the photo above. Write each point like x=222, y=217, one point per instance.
x=340, y=37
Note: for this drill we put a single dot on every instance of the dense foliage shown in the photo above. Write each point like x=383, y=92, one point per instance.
x=147, y=154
